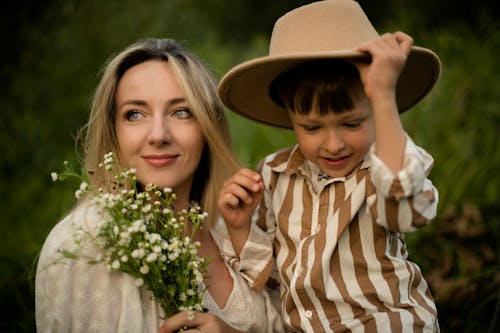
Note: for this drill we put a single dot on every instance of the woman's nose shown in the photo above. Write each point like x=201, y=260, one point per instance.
x=160, y=132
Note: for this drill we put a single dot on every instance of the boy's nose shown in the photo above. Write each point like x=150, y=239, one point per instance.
x=333, y=143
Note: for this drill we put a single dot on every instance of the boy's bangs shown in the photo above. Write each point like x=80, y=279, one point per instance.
x=322, y=97
x=321, y=86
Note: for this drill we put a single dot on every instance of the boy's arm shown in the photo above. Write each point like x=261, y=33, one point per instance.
x=389, y=54
x=237, y=201
x=406, y=200
x=250, y=248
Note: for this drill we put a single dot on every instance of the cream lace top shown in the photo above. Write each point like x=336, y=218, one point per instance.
x=74, y=296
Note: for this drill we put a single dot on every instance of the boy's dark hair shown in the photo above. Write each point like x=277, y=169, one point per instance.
x=327, y=85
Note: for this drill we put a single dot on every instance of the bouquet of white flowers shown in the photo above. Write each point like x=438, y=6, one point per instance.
x=142, y=236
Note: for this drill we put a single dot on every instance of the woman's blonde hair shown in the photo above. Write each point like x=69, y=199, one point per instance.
x=218, y=160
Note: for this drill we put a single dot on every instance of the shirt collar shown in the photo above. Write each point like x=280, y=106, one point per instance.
x=297, y=164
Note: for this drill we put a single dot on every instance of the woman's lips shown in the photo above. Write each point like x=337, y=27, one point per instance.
x=159, y=160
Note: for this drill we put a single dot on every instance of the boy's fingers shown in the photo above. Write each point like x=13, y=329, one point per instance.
x=240, y=193
x=405, y=41
x=248, y=180
x=250, y=174
x=230, y=201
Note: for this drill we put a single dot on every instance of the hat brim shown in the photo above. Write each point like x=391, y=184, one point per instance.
x=245, y=88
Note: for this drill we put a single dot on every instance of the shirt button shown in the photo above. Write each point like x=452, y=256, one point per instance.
x=317, y=229
x=309, y=314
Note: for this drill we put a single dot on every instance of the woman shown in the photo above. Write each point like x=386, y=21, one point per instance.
x=156, y=109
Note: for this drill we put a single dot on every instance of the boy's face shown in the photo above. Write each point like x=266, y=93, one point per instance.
x=336, y=142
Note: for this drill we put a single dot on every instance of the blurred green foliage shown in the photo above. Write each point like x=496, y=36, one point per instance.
x=53, y=50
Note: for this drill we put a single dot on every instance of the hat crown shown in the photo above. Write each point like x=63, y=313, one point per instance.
x=324, y=29
x=329, y=25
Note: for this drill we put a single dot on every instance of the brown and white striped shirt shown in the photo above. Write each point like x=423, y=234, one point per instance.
x=339, y=246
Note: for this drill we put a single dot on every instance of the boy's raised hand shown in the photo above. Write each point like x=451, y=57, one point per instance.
x=239, y=197
x=389, y=53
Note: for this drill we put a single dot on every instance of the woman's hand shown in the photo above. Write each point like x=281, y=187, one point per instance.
x=204, y=322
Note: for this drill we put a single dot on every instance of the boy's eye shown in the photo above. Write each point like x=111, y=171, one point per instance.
x=132, y=115
x=183, y=113
x=311, y=128
x=353, y=124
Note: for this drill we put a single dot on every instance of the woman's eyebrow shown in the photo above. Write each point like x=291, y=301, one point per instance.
x=141, y=102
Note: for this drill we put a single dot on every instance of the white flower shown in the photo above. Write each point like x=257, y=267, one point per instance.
x=139, y=282
x=124, y=258
x=146, y=209
x=78, y=194
x=84, y=186
x=138, y=253
x=154, y=238
x=174, y=245
x=190, y=315
x=54, y=176
x=151, y=257
x=125, y=236
x=174, y=255
x=144, y=269
x=115, y=265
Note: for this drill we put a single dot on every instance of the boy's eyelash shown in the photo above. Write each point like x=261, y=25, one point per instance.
x=310, y=128
x=355, y=123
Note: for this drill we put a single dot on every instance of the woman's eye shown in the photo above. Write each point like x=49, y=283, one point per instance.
x=182, y=113
x=132, y=115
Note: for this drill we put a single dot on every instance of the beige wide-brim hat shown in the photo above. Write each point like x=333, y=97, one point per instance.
x=320, y=30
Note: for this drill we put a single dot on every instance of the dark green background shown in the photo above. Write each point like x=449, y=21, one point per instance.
x=50, y=57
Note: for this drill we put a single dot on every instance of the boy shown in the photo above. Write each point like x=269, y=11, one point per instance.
x=338, y=203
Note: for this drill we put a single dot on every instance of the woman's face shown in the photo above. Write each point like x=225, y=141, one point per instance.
x=157, y=132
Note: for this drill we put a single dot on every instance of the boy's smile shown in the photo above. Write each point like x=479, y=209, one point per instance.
x=336, y=142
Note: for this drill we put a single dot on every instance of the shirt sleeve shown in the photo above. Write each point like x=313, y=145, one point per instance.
x=255, y=260
x=407, y=200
